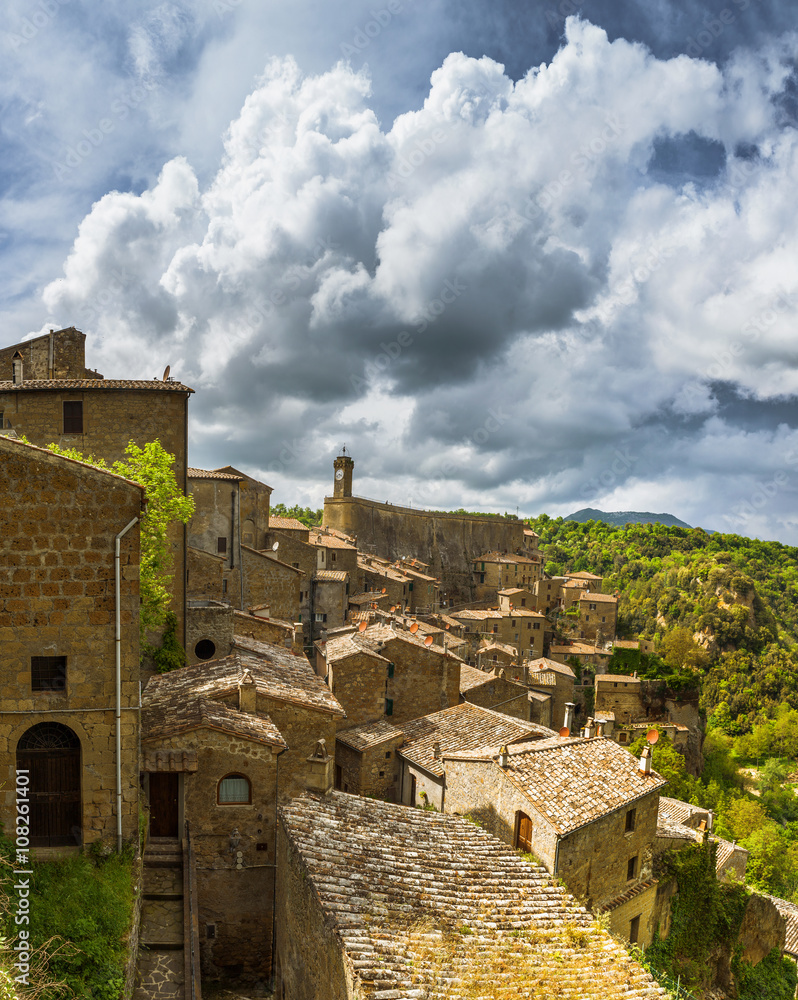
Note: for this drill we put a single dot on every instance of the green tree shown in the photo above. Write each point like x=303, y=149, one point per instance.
x=153, y=468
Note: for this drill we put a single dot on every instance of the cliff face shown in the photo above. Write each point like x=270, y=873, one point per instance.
x=448, y=542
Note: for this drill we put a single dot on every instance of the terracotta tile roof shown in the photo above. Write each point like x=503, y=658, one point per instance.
x=582, y=575
x=579, y=649
x=285, y=676
x=277, y=673
x=286, y=523
x=471, y=677
x=174, y=712
x=575, y=781
x=503, y=557
x=212, y=474
x=340, y=647
x=463, y=727
x=247, y=616
x=626, y=644
x=544, y=678
x=382, y=633
x=790, y=913
x=636, y=890
x=544, y=663
x=338, y=575
x=599, y=598
x=513, y=590
x=328, y=540
x=539, y=696
x=616, y=678
x=499, y=647
x=268, y=554
x=608, y=717
x=369, y=734
x=395, y=885
x=54, y=384
x=367, y=597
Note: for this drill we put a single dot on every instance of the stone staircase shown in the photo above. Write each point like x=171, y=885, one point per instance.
x=160, y=973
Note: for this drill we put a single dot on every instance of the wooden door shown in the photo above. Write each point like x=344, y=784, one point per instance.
x=164, y=786
x=50, y=753
x=523, y=840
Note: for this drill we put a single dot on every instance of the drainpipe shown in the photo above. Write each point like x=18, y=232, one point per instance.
x=118, y=653
x=274, y=874
x=240, y=561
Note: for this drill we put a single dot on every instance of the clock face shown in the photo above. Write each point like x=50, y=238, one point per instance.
x=339, y=473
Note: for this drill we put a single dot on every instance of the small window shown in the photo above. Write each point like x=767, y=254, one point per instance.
x=536, y=626
x=622, y=738
x=204, y=649
x=48, y=673
x=2, y=425
x=523, y=602
x=382, y=774
x=73, y=417
x=391, y=668
x=631, y=868
x=320, y=617
x=630, y=819
x=410, y=586
x=221, y=546
x=224, y=586
x=332, y=557
x=634, y=929
x=389, y=706
x=512, y=624
x=233, y=790
x=388, y=754
x=210, y=931
x=591, y=607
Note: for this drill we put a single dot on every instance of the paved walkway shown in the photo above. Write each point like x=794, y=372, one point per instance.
x=160, y=973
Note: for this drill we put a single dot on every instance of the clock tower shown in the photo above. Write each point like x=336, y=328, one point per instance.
x=343, y=475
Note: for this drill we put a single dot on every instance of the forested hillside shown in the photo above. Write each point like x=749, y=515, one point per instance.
x=722, y=609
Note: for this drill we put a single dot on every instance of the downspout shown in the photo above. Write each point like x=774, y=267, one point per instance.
x=185, y=526
x=240, y=561
x=118, y=657
x=556, y=856
x=274, y=873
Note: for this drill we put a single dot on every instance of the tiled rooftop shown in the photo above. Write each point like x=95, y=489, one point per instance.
x=461, y=728
x=599, y=598
x=367, y=597
x=286, y=523
x=277, y=673
x=574, y=781
x=616, y=678
x=544, y=663
x=471, y=677
x=348, y=645
x=212, y=474
x=425, y=904
x=369, y=734
x=43, y=385
x=503, y=557
x=790, y=913
x=176, y=712
x=328, y=540
x=337, y=575
x=583, y=575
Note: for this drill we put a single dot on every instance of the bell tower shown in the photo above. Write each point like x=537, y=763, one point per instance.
x=344, y=466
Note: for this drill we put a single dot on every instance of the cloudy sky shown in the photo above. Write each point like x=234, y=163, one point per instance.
x=512, y=255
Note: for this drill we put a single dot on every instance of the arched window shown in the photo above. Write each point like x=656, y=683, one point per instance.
x=234, y=790
x=50, y=754
x=523, y=837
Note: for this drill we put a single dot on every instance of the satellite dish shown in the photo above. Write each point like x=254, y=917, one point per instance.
x=414, y=628
x=428, y=641
x=448, y=627
x=362, y=626
x=565, y=731
x=275, y=547
x=384, y=590
x=652, y=736
x=166, y=373
x=393, y=608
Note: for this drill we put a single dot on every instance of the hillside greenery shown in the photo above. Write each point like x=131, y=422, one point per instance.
x=721, y=610
x=309, y=517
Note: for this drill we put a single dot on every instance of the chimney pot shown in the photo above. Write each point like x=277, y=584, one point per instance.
x=645, y=760
x=504, y=756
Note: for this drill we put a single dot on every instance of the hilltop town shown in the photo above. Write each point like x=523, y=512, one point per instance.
x=396, y=759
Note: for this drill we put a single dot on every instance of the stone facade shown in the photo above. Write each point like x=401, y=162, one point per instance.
x=366, y=761
x=496, y=571
x=270, y=581
x=58, y=522
x=58, y=354
x=598, y=614
x=205, y=576
x=621, y=695
x=209, y=631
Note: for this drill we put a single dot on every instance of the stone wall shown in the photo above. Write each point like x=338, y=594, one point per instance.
x=448, y=542
x=423, y=681
x=205, y=577
x=111, y=419
x=270, y=581
x=68, y=351
x=374, y=771
x=58, y=520
x=216, y=503
x=236, y=902
x=210, y=623
x=359, y=683
x=624, y=698
x=278, y=633
x=644, y=906
x=310, y=958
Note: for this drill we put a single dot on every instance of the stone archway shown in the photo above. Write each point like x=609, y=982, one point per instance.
x=50, y=752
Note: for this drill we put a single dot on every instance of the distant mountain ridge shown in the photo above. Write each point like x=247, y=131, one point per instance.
x=618, y=518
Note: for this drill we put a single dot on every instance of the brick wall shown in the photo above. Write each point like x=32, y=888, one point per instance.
x=58, y=520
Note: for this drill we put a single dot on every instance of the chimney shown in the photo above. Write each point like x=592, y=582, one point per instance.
x=320, y=769
x=569, y=715
x=247, y=694
x=599, y=729
x=16, y=368
x=504, y=756
x=645, y=759
x=436, y=750
x=590, y=728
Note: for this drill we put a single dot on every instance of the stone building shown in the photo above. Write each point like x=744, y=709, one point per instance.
x=493, y=690
x=385, y=673
x=621, y=695
x=97, y=416
x=422, y=778
x=598, y=614
x=60, y=523
x=555, y=679
x=592, y=658
x=444, y=541
x=548, y=592
x=519, y=627
x=517, y=597
x=366, y=762
x=380, y=901
x=224, y=743
x=584, y=807
x=495, y=571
